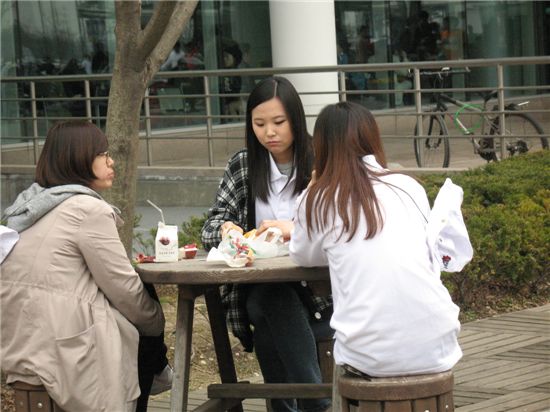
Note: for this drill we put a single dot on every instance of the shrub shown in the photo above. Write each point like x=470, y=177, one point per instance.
x=506, y=209
x=191, y=231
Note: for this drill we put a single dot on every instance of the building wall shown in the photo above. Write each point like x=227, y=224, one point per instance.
x=41, y=37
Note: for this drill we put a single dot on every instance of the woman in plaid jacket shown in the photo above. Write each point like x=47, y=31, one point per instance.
x=286, y=318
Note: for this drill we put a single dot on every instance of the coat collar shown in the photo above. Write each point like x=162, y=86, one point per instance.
x=370, y=161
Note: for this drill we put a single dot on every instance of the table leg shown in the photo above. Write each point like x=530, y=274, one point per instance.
x=182, y=350
x=220, y=337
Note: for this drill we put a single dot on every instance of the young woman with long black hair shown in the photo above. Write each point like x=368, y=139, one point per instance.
x=258, y=190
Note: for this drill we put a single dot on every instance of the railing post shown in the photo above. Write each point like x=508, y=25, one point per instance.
x=148, y=133
x=418, y=107
x=342, y=81
x=208, y=121
x=501, y=115
x=87, y=95
x=34, y=112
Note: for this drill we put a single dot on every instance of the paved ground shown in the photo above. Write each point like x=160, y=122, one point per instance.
x=505, y=368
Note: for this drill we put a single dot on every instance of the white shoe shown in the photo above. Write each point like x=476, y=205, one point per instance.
x=163, y=381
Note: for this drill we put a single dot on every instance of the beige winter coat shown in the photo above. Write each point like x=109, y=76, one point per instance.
x=70, y=305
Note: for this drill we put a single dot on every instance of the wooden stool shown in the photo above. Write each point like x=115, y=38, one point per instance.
x=422, y=393
x=324, y=345
x=33, y=398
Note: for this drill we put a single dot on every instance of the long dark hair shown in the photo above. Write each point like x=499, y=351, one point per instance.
x=344, y=133
x=68, y=154
x=259, y=171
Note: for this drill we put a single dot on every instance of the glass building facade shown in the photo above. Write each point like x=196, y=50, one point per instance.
x=400, y=31
x=77, y=37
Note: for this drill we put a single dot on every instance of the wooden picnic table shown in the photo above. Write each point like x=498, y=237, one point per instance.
x=196, y=277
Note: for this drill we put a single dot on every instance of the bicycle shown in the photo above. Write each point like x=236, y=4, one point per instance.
x=522, y=133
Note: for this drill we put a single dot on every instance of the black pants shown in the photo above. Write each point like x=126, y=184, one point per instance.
x=151, y=359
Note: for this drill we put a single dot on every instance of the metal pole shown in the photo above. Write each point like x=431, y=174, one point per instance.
x=418, y=107
x=149, y=152
x=502, y=117
x=342, y=80
x=87, y=94
x=208, y=121
x=34, y=122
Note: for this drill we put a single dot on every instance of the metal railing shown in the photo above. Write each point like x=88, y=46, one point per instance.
x=32, y=106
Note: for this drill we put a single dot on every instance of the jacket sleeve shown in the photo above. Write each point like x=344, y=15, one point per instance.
x=108, y=263
x=306, y=250
x=230, y=205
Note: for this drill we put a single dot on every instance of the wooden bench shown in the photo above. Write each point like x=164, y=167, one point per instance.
x=33, y=398
x=424, y=393
x=225, y=396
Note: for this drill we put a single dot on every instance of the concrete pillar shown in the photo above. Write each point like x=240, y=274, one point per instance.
x=303, y=33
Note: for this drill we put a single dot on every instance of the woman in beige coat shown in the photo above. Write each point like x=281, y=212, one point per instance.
x=72, y=306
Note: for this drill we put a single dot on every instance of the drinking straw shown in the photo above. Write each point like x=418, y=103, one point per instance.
x=158, y=208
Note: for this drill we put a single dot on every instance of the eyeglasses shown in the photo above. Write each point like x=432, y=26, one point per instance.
x=106, y=155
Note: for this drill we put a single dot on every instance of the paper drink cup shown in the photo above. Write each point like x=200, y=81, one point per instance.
x=166, y=243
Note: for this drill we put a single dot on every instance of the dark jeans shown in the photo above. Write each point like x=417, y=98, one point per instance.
x=284, y=338
x=151, y=359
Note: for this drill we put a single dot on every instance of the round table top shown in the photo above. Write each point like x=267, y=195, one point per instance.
x=198, y=271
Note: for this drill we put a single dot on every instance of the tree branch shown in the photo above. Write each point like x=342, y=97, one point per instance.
x=181, y=15
x=156, y=26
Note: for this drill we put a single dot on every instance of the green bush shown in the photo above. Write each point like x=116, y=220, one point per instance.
x=191, y=231
x=506, y=209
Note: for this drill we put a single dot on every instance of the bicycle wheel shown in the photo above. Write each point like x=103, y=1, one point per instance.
x=433, y=151
x=521, y=136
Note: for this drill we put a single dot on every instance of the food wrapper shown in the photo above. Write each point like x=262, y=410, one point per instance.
x=238, y=250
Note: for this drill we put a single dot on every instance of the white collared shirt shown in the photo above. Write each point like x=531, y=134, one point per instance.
x=392, y=314
x=280, y=200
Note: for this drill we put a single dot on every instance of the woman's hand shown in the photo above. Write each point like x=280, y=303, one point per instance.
x=285, y=226
x=227, y=226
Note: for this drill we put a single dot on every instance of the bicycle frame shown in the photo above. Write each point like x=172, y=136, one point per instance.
x=486, y=118
x=441, y=106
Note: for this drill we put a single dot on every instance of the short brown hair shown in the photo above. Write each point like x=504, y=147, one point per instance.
x=68, y=154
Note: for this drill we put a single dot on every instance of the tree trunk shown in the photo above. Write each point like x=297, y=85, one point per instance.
x=125, y=98
x=139, y=54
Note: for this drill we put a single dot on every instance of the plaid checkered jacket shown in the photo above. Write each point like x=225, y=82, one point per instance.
x=232, y=204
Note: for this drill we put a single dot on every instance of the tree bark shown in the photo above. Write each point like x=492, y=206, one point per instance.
x=139, y=54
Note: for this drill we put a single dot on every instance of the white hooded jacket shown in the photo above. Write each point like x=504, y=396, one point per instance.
x=392, y=314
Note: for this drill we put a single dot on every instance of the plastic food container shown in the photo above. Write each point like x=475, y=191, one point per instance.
x=188, y=251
